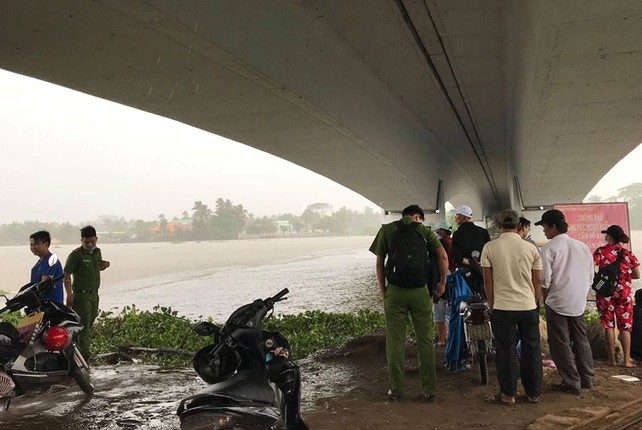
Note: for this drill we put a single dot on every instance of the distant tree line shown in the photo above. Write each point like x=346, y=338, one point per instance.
x=225, y=221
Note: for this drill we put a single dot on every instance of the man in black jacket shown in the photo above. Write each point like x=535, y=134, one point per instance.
x=468, y=242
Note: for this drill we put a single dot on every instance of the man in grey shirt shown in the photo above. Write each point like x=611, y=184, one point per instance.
x=567, y=272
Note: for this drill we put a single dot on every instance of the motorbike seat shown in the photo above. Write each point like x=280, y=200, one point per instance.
x=244, y=388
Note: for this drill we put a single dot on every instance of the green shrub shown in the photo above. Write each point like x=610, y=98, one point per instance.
x=591, y=316
x=314, y=330
x=306, y=332
x=147, y=329
x=11, y=317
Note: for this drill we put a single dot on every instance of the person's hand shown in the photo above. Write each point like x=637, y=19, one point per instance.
x=441, y=289
x=70, y=300
x=103, y=264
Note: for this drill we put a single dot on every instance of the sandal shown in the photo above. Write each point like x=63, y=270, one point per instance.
x=497, y=399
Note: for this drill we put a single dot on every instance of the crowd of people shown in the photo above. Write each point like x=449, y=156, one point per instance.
x=517, y=278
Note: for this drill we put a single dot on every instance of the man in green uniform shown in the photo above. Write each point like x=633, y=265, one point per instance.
x=84, y=264
x=402, y=297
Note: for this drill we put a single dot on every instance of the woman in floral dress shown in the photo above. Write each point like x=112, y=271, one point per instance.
x=619, y=307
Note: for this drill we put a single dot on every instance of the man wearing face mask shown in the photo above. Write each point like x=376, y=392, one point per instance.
x=84, y=264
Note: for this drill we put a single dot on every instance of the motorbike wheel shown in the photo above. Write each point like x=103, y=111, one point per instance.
x=483, y=368
x=80, y=371
x=81, y=376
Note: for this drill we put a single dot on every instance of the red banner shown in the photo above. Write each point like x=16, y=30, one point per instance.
x=586, y=221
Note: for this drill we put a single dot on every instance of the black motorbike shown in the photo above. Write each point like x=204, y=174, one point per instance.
x=41, y=351
x=255, y=385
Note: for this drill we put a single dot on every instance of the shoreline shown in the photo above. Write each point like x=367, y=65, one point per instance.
x=135, y=261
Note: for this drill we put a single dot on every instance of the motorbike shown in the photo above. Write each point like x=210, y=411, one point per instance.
x=41, y=350
x=478, y=333
x=475, y=314
x=254, y=384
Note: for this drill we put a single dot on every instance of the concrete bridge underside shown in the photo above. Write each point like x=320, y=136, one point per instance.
x=503, y=103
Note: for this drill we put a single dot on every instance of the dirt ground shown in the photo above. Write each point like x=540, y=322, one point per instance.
x=462, y=402
x=342, y=389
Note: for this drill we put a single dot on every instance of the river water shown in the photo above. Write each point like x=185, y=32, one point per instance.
x=201, y=279
x=341, y=282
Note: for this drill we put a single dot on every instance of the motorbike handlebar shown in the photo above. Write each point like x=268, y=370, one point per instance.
x=279, y=295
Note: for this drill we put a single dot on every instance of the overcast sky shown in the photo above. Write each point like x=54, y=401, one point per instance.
x=67, y=156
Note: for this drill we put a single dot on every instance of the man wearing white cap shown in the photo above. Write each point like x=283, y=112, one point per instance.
x=466, y=240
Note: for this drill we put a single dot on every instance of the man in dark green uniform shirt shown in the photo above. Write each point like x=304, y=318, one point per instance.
x=399, y=302
x=84, y=264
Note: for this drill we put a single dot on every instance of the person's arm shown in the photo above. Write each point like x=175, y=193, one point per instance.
x=70, y=266
x=70, y=294
x=488, y=286
x=536, y=276
x=635, y=273
x=442, y=260
x=547, y=269
x=381, y=277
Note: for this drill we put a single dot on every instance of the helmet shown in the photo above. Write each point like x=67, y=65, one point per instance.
x=219, y=367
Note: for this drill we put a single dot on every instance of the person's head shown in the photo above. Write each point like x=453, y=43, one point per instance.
x=524, y=227
x=638, y=297
x=615, y=234
x=39, y=243
x=508, y=220
x=463, y=214
x=88, y=238
x=442, y=228
x=553, y=223
x=415, y=212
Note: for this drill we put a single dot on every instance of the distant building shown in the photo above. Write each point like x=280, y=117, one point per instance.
x=284, y=225
x=174, y=226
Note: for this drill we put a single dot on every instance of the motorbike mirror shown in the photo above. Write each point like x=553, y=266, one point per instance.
x=53, y=259
x=206, y=329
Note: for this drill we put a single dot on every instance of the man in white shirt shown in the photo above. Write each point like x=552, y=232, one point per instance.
x=512, y=269
x=567, y=273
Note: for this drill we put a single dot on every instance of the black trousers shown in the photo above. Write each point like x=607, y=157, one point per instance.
x=508, y=328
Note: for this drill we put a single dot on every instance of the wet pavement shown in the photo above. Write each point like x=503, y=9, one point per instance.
x=126, y=397
x=144, y=398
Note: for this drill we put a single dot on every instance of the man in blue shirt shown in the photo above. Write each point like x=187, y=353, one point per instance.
x=39, y=244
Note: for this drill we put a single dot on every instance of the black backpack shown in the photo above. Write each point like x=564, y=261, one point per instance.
x=606, y=279
x=407, y=263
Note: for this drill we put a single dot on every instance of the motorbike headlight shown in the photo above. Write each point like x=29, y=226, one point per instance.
x=56, y=338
